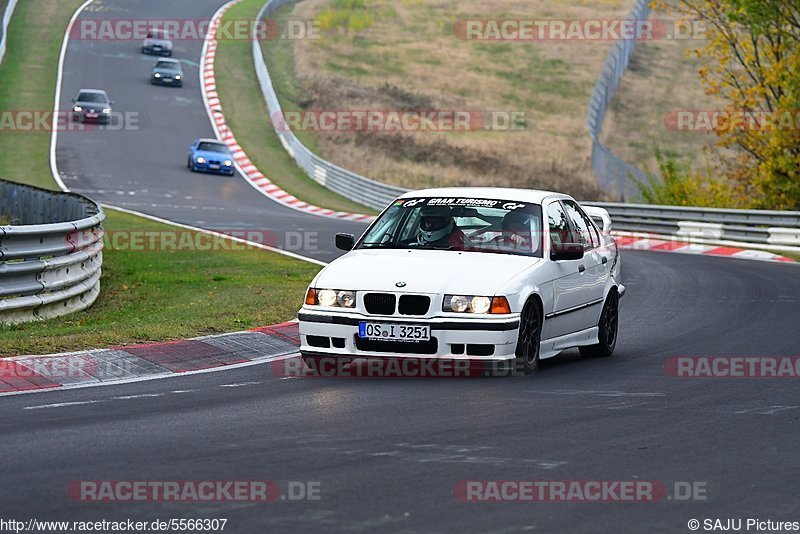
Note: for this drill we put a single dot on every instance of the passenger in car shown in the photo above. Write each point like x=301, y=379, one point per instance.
x=437, y=229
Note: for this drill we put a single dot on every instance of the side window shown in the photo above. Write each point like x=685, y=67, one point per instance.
x=559, y=228
x=587, y=238
x=592, y=229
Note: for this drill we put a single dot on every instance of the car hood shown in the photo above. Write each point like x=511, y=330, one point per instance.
x=424, y=271
x=171, y=72
x=213, y=155
x=93, y=105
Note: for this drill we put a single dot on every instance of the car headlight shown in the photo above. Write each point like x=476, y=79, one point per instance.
x=200, y=159
x=106, y=110
x=331, y=297
x=157, y=75
x=177, y=76
x=77, y=108
x=228, y=163
x=475, y=304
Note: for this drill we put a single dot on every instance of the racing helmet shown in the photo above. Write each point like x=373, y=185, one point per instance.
x=435, y=222
x=517, y=222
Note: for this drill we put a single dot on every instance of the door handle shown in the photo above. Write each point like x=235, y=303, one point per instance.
x=604, y=260
x=581, y=268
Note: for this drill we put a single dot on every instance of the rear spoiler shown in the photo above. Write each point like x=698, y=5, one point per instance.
x=600, y=216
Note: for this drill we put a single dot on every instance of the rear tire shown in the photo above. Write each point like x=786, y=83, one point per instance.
x=529, y=342
x=607, y=329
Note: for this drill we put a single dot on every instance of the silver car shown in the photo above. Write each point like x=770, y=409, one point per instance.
x=157, y=43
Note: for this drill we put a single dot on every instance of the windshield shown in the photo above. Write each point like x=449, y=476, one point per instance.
x=212, y=147
x=157, y=34
x=167, y=65
x=467, y=224
x=92, y=97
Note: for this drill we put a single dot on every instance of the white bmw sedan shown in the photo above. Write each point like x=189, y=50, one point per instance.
x=488, y=274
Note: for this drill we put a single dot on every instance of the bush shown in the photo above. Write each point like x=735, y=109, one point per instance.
x=678, y=185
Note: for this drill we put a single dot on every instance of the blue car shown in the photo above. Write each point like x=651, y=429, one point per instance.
x=210, y=155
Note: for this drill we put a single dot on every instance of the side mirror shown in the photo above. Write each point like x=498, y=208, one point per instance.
x=73, y=100
x=566, y=251
x=345, y=241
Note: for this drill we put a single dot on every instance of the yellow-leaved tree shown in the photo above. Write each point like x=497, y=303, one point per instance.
x=752, y=63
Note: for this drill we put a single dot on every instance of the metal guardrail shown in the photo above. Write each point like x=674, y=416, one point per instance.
x=50, y=253
x=346, y=183
x=613, y=174
x=746, y=226
x=7, y=12
x=766, y=227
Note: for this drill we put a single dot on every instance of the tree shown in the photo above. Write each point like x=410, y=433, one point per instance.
x=752, y=53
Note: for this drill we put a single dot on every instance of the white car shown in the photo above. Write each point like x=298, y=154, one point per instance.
x=488, y=274
x=157, y=42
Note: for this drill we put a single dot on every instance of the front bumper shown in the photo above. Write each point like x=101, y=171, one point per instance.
x=467, y=338
x=83, y=116
x=204, y=167
x=156, y=50
x=166, y=81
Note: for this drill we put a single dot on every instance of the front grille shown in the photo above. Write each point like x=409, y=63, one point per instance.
x=379, y=303
x=414, y=304
x=402, y=347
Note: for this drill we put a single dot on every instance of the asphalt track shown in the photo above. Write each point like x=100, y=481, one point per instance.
x=143, y=168
x=388, y=452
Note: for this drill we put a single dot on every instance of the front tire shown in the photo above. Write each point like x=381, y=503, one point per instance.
x=607, y=329
x=529, y=342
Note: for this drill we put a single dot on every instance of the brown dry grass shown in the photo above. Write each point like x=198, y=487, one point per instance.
x=411, y=59
x=661, y=78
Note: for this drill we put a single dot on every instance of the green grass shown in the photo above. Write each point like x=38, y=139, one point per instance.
x=156, y=296
x=145, y=296
x=27, y=82
x=247, y=114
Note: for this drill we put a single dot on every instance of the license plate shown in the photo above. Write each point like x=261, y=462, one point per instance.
x=213, y=166
x=394, y=331
x=92, y=115
x=168, y=80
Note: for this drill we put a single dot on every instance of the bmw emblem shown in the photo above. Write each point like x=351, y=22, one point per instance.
x=400, y=284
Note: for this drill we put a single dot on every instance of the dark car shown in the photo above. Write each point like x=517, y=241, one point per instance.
x=210, y=155
x=167, y=72
x=92, y=105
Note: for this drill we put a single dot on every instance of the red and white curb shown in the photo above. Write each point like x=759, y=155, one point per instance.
x=660, y=243
x=256, y=178
x=135, y=363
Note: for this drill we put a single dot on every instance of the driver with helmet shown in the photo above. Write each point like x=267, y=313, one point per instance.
x=438, y=229
x=516, y=231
